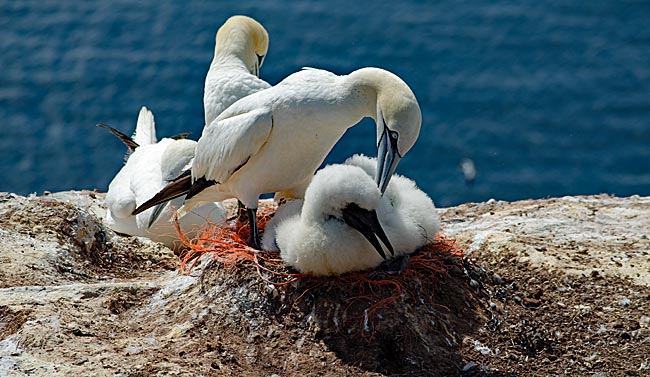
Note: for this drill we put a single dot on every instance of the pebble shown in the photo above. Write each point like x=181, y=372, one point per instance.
x=469, y=366
x=644, y=321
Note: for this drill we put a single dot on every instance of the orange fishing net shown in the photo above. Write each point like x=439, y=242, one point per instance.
x=227, y=243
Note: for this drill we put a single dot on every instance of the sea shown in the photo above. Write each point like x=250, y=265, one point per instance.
x=540, y=98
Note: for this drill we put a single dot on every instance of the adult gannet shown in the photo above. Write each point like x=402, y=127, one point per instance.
x=241, y=44
x=469, y=170
x=316, y=235
x=150, y=166
x=275, y=139
x=240, y=47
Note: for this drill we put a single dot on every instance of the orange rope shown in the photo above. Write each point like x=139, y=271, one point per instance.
x=226, y=243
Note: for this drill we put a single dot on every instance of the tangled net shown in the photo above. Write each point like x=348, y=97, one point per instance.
x=424, y=270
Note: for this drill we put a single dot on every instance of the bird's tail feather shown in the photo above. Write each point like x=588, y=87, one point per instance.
x=145, y=128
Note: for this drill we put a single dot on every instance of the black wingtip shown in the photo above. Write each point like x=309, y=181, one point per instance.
x=177, y=188
x=198, y=186
x=127, y=140
x=184, y=135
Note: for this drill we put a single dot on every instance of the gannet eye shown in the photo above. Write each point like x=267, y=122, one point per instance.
x=394, y=135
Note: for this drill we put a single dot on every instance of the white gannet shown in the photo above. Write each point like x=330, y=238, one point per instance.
x=275, y=139
x=322, y=235
x=240, y=46
x=150, y=165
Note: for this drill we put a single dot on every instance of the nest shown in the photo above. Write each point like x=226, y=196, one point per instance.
x=227, y=244
x=389, y=322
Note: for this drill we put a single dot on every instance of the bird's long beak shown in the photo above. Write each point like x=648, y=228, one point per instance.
x=260, y=61
x=158, y=209
x=366, y=222
x=387, y=159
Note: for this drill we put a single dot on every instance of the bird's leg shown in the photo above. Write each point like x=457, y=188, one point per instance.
x=241, y=212
x=252, y=221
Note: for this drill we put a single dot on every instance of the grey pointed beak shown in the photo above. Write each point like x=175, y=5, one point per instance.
x=366, y=222
x=387, y=159
x=158, y=209
x=258, y=66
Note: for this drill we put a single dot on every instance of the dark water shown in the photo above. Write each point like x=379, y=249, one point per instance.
x=547, y=98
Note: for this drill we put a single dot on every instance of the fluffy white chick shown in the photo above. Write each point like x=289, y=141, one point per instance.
x=335, y=230
x=314, y=237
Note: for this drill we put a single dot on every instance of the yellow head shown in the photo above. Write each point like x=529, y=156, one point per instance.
x=243, y=38
x=398, y=117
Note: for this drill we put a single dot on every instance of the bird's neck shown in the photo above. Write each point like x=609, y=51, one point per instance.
x=363, y=92
x=232, y=48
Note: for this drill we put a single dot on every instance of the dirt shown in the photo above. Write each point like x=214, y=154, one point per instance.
x=520, y=299
x=554, y=324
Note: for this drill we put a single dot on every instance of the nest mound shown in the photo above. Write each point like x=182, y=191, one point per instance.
x=409, y=323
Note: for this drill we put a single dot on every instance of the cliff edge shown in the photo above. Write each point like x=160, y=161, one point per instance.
x=554, y=286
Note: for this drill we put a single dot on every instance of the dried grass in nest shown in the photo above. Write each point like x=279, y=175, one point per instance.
x=424, y=271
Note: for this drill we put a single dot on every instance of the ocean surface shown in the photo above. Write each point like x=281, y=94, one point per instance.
x=547, y=98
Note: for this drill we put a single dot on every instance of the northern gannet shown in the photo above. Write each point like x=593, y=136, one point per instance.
x=240, y=46
x=150, y=165
x=315, y=235
x=275, y=139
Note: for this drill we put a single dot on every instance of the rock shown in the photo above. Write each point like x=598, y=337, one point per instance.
x=76, y=298
x=609, y=230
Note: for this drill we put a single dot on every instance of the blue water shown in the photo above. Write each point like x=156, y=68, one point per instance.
x=547, y=98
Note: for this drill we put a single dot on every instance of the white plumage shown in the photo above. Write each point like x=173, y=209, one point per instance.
x=240, y=46
x=148, y=168
x=313, y=237
x=274, y=140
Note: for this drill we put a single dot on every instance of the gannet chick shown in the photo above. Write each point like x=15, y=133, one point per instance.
x=148, y=168
x=336, y=229
x=240, y=46
x=274, y=140
x=408, y=214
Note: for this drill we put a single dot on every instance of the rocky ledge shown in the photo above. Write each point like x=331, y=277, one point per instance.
x=542, y=287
